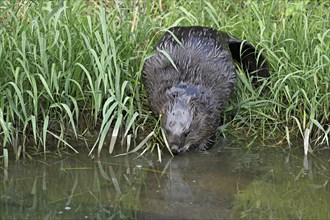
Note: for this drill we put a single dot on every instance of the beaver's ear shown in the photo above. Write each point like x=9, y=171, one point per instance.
x=246, y=55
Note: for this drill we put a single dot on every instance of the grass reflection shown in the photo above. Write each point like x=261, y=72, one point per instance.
x=291, y=188
x=71, y=189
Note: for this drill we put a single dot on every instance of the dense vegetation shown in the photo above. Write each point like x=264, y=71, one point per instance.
x=68, y=68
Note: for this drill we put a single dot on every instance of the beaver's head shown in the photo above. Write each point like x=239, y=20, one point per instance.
x=185, y=119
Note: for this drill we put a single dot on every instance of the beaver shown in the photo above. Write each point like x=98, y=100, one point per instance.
x=190, y=78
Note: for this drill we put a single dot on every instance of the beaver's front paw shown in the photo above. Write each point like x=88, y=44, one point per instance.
x=203, y=147
x=207, y=144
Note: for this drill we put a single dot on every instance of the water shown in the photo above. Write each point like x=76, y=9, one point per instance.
x=224, y=182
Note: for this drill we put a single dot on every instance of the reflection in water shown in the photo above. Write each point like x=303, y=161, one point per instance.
x=217, y=184
x=290, y=188
x=196, y=186
x=70, y=189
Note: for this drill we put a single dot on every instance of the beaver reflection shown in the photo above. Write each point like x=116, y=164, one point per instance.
x=190, y=79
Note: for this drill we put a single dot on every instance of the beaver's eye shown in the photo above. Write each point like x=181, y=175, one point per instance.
x=174, y=94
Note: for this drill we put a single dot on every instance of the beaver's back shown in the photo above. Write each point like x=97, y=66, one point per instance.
x=197, y=57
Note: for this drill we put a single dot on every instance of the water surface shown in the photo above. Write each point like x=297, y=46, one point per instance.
x=225, y=182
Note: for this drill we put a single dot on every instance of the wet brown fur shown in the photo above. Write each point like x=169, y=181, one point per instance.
x=192, y=87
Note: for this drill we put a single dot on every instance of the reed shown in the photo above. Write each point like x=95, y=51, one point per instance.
x=69, y=67
x=64, y=68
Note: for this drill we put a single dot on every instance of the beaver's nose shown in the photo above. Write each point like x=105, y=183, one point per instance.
x=175, y=149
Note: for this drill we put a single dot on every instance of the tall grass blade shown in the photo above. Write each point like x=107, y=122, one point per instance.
x=115, y=132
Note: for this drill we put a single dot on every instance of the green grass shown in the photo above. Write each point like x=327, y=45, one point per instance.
x=70, y=67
